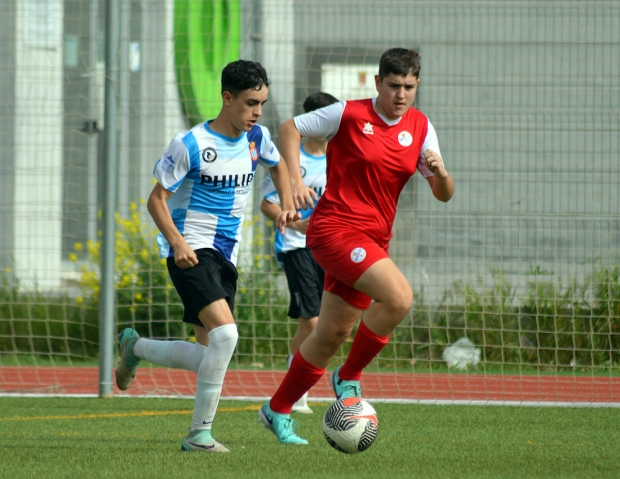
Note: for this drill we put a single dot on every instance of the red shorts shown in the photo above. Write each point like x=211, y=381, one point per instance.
x=345, y=257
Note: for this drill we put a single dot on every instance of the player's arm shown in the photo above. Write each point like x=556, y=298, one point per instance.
x=184, y=255
x=290, y=142
x=272, y=210
x=441, y=182
x=281, y=180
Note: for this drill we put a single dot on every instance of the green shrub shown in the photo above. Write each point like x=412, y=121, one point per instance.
x=554, y=327
x=45, y=325
x=145, y=296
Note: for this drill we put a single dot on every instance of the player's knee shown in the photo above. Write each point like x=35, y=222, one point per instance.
x=222, y=342
x=400, y=303
x=307, y=325
x=224, y=339
x=334, y=339
x=340, y=336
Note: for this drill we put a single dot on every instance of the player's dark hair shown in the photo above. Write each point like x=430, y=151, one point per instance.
x=318, y=100
x=399, y=61
x=242, y=75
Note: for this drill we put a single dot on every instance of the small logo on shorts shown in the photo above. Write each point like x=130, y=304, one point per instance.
x=358, y=255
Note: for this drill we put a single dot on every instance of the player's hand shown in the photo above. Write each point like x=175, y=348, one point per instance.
x=184, y=256
x=303, y=196
x=301, y=225
x=435, y=164
x=285, y=217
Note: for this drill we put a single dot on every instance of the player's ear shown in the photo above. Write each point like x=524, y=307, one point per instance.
x=227, y=98
x=377, y=82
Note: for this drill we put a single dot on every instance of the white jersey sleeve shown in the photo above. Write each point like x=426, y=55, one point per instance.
x=269, y=154
x=269, y=192
x=321, y=123
x=430, y=143
x=174, y=164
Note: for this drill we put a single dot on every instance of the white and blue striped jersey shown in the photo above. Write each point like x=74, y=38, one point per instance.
x=313, y=174
x=211, y=176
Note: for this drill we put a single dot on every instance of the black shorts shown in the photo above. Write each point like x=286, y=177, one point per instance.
x=305, y=283
x=211, y=279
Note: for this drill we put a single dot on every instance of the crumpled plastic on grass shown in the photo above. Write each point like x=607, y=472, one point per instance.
x=462, y=354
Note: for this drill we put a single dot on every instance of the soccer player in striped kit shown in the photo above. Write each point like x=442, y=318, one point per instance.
x=204, y=179
x=375, y=146
x=303, y=275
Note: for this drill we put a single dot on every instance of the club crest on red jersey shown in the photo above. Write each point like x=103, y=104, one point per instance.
x=368, y=129
x=405, y=138
x=253, y=151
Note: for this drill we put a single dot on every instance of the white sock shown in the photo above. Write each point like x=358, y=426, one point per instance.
x=172, y=354
x=222, y=342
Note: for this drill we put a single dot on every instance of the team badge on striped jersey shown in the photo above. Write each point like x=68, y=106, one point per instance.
x=253, y=151
x=209, y=155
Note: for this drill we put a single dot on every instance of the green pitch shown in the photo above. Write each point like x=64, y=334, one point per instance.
x=141, y=438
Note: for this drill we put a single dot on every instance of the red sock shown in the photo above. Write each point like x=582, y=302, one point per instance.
x=366, y=345
x=301, y=376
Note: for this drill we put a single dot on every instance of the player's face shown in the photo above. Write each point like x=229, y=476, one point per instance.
x=247, y=107
x=396, y=94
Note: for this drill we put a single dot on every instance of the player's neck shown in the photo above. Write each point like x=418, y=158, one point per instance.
x=315, y=146
x=224, y=127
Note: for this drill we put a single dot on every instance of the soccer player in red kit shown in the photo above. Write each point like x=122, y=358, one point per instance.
x=375, y=146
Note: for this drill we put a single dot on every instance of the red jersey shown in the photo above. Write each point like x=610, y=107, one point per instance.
x=368, y=164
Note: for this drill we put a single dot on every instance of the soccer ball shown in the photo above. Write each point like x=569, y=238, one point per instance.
x=350, y=425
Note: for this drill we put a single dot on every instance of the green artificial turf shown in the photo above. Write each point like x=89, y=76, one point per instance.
x=141, y=438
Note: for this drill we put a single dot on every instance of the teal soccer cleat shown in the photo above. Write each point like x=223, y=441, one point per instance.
x=345, y=389
x=201, y=441
x=127, y=365
x=281, y=425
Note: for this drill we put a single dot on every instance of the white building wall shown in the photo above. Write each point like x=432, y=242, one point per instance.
x=38, y=143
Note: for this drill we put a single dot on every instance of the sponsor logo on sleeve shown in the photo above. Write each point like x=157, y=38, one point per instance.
x=168, y=164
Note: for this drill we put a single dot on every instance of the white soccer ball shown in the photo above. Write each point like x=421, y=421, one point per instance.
x=350, y=425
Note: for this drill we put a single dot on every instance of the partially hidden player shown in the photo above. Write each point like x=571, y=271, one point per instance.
x=204, y=178
x=375, y=146
x=303, y=275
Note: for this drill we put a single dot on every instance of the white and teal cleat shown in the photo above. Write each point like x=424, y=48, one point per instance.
x=127, y=365
x=201, y=441
x=281, y=425
x=345, y=389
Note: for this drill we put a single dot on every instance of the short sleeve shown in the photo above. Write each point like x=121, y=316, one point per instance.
x=173, y=166
x=269, y=156
x=268, y=191
x=321, y=123
x=430, y=143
